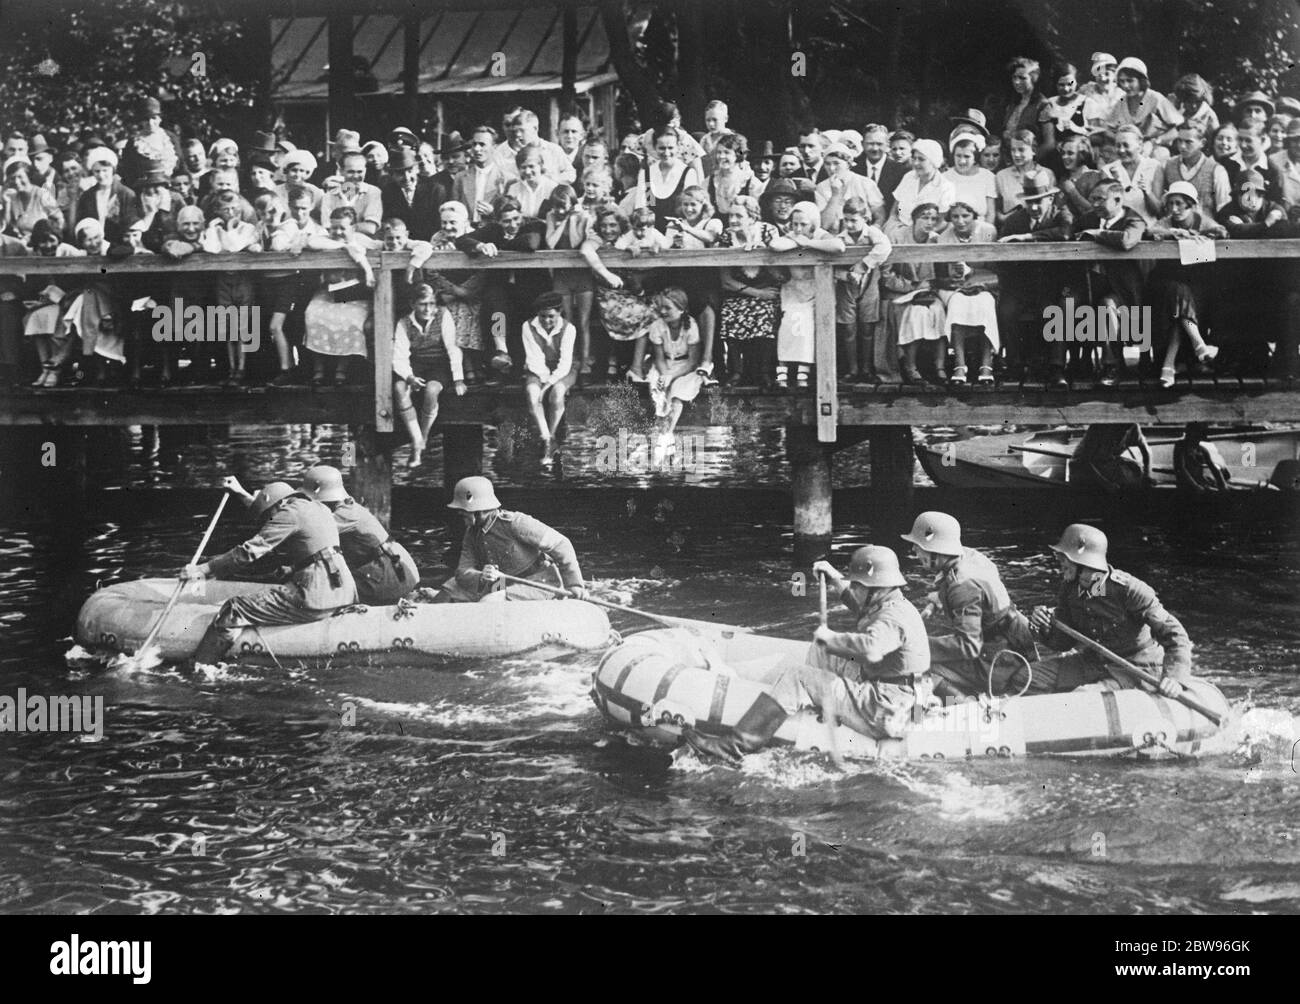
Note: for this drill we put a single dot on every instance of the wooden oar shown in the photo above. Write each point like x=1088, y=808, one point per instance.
x=1136, y=671
x=663, y=619
x=141, y=654
x=832, y=720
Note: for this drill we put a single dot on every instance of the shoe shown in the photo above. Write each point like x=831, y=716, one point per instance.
x=801, y=380
x=986, y=376
x=1166, y=378
x=235, y=379
x=502, y=363
x=283, y=379
x=50, y=378
x=712, y=747
x=40, y=378
x=633, y=377
x=1207, y=353
x=340, y=379
x=782, y=380
x=318, y=380
x=1108, y=376
x=611, y=372
x=941, y=377
x=958, y=378
x=1056, y=378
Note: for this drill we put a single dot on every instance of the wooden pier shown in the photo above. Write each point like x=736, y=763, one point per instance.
x=820, y=420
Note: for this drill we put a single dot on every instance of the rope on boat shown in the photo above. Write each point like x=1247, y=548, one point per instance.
x=1029, y=671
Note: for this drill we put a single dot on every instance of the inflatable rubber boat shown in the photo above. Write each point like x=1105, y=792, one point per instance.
x=656, y=682
x=118, y=618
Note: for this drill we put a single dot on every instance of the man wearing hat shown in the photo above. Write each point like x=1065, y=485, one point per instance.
x=42, y=173
x=762, y=162
x=1112, y=607
x=298, y=529
x=150, y=144
x=1255, y=108
x=1026, y=288
x=402, y=136
x=869, y=679
x=408, y=197
x=1100, y=94
x=499, y=541
x=968, y=591
x=1197, y=168
x=383, y=569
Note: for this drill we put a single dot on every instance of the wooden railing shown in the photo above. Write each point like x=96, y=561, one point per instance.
x=386, y=263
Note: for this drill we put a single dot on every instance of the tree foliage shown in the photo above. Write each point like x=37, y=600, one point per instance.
x=83, y=68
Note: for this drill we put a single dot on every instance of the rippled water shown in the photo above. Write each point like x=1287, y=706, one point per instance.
x=243, y=791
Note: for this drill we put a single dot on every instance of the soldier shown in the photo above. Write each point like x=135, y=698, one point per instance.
x=383, y=569
x=869, y=678
x=497, y=540
x=302, y=531
x=1112, y=607
x=972, y=597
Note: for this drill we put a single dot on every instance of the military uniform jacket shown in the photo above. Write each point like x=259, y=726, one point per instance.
x=515, y=543
x=383, y=569
x=977, y=605
x=302, y=532
x=1123, y=613
x=890, y=639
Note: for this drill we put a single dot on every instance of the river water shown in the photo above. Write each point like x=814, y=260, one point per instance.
x=494, y=787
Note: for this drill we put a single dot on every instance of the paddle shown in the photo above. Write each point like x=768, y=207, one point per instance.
x=663, y=619
x=832, y=720
x=1135, y=671
x=143, y=658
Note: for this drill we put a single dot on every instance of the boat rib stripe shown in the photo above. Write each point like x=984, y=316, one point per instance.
x=719, y=699
x=1110, y=704
x=666, y=682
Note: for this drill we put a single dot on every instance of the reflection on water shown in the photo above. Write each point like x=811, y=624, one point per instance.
x=496, y=787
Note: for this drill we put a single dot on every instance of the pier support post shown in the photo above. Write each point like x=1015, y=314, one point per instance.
x=810, y=466
x=892, y=458
x=373, y=480
x=462, y=453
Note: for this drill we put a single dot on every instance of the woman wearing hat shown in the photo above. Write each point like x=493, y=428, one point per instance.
x=1182, y=292
x=1151, y=112
x=26, y=203
x=109, y=201
x=971, y=184
x=922, y=184
x=1101, y=93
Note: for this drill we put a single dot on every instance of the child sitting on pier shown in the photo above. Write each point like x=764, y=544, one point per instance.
x=676, y=345
x=339, y=316
x=549, y=341
x=426, y=359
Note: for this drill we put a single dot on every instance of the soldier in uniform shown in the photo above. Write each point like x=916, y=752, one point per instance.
x=383, y=569
x=300, y=530
x=975, y=603
x=869, y=679
x=497, y=540
x=1114, y=608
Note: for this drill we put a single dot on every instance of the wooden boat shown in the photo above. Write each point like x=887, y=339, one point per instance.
x=656, y=682
x=118, y=618
x=1044, y=459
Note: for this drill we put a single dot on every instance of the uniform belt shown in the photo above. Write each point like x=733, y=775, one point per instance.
x=388, y=549
x=538, y=564
x=900, y=681
x=325, y=554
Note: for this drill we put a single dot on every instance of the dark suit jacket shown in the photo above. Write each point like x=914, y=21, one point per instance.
x=88, y=205
x=891, y=173
x=1126, y=277
x=421, y=213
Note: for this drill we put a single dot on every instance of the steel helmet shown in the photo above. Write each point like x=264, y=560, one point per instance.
x=875, y=566
x=270, y=496
x=1084, y=545
x=474, y=494
x=936, y=532
x=324, y=483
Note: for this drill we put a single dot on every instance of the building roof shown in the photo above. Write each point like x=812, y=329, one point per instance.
x=456, y=52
